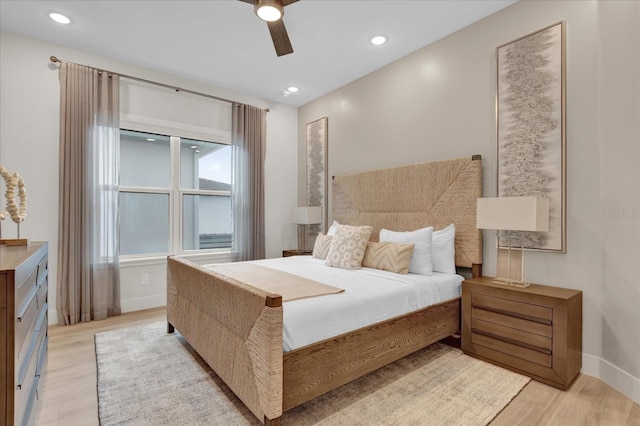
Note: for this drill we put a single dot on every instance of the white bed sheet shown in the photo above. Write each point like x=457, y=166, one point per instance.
x=370, y=296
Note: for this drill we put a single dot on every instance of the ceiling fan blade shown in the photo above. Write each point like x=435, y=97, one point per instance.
x=248, y=1
x=280, y=37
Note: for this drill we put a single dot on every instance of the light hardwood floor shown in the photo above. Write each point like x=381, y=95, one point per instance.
x=69, y=387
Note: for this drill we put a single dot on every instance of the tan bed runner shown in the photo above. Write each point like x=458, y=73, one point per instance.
x=287, y=285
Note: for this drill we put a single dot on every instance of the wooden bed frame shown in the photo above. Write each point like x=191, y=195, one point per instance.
x=237, y=329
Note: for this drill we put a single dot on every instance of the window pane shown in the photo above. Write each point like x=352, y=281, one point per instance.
x=139, y=149
x=144, y=223
x=206, y=222
x=205, y=165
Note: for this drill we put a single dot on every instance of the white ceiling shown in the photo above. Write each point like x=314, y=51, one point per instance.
x=222, y=42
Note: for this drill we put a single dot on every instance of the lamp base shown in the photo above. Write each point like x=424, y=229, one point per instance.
x=512, y=283
x=510, y=263
x=302, y=238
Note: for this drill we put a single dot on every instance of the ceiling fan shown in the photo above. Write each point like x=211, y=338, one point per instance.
x=272, y=12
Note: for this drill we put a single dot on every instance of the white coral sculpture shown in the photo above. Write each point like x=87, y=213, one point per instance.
x=18, y=214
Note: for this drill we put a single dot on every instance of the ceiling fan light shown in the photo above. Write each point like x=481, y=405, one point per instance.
x=269, y=10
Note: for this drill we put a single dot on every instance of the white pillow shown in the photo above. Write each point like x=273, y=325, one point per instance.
x=421, y=238
x=443, y=251
x=332, y=229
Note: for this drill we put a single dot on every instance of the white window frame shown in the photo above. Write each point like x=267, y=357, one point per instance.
x=176, y=195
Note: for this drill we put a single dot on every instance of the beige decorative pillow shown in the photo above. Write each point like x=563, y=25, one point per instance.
x=348, y=246
x=321, y=247
x=392, y=257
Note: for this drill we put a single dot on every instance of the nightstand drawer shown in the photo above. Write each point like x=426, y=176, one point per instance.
x=505, y=332
x=534, y=327
x=511, y=307
x=531, y=355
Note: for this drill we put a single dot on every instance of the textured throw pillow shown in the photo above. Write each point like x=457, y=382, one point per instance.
x=321, y=247
x=392, y=257
x=421, y=238
x=348, y=246
x=443, y=251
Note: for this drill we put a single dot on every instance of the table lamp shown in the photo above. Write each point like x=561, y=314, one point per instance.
x=304, y=216
x=512, y=214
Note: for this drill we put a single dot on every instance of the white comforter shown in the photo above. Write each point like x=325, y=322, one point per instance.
x=370, y=296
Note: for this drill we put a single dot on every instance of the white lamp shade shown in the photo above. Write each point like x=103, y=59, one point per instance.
x=306, y=215
x=513, y=213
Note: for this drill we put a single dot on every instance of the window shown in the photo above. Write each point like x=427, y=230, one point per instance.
x=175, y=194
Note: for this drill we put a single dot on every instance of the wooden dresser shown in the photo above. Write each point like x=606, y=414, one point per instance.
x=23, y=329
x=536, y=331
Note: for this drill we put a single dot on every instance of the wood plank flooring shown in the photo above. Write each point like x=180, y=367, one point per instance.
x=69, y=387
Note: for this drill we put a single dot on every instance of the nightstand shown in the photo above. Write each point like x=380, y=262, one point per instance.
x=535, y=331
x=296, y=252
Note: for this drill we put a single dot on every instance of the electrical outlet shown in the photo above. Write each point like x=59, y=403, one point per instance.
x=144, y=279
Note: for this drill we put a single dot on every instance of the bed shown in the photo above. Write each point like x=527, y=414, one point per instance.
x=238, y=329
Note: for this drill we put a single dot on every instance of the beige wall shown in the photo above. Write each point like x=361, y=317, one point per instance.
x=439, y=102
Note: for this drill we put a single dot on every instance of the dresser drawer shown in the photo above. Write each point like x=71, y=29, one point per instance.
x=512, y=307
x=25, y=289
x=26, y=389
x=25, y=323
x=29, y=350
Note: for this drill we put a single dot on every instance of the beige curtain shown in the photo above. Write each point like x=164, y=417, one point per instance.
x=88, y=286
x=249, y=134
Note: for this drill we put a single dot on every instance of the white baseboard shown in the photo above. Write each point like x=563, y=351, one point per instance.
x=129, y=305
x=141, y=303
x=618, y=379
x=53, y=317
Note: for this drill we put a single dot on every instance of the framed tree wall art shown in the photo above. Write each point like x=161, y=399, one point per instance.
x=317, y=170
x=531, y=128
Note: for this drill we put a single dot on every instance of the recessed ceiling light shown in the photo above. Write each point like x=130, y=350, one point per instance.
x=151, y=139
x=293, y=89
x=193, y=146
x=59, y=18
x=378, y=40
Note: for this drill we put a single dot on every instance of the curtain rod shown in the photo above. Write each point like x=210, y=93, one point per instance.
x=54, y=60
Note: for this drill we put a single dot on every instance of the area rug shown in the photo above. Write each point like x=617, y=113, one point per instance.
x=149, y=377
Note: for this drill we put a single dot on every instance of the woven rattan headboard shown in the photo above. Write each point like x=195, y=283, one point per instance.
x=411, y=197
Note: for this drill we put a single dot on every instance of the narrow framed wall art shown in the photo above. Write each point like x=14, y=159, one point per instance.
x=317, y=180
x=531, y=127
